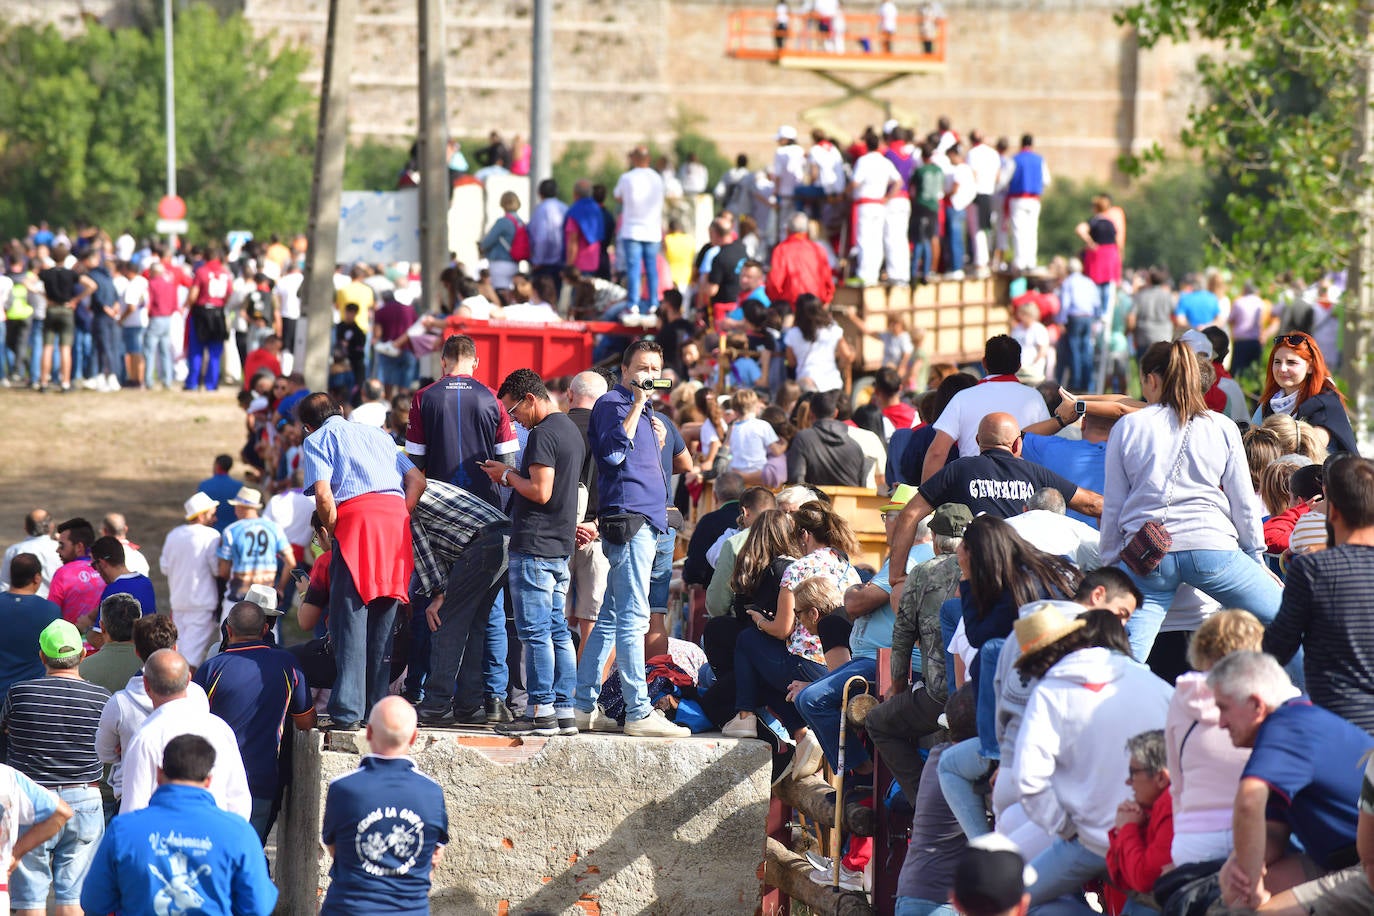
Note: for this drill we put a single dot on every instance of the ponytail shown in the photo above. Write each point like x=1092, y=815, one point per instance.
x=1181, y=387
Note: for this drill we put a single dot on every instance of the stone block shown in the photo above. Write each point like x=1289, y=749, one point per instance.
x=592, y=824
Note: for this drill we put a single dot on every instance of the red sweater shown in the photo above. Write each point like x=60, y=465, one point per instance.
x=1279, y=528
x=1138, y=853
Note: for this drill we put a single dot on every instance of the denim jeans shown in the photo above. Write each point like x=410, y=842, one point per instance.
x=922, y=263
x=763, y=669
x=661, y=581
x=819, y=705
x=361, y=635
x=83, y=354
x=1062, y=869
x=960, y=767
x=956, y=227
x=539, y=593
x=915, y=906
x=641, y=256
x=157, y=344
x=402, y=370
x=36, y=350
x=987, y=697
x=1229, y=576
x=1079, y=331
x=623, y=619
x=62, y=862
x=458, y=648
x=262, y=816
x=495, y=669
x=895, y=726
x=108, y=345
x=198, y=353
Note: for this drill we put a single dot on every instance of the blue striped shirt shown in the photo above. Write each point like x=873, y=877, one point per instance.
x=354, y=458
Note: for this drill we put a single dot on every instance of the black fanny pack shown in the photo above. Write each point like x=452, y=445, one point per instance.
x=620, y=528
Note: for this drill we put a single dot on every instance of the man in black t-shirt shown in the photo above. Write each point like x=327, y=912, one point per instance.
x=723, y=280
x=544, y=516
x=63, y=287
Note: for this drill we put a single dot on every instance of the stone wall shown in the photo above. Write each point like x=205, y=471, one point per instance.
x=592, y=824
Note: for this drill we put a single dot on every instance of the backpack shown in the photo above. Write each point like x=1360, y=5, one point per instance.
x=520, y=245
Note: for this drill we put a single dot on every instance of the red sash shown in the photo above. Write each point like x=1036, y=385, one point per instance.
x=373, y=531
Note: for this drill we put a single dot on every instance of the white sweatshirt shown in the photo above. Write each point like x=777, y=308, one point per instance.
x=1212, y=507
x=1071, y=760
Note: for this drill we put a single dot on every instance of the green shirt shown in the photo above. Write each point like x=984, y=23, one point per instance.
x=929, y=183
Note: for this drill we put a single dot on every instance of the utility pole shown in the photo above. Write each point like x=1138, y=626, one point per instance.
x=434, y=181
x=169, y=70
x=331, y=141
x=541, y=94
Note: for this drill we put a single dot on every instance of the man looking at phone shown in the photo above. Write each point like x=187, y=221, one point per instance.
x=626, y=438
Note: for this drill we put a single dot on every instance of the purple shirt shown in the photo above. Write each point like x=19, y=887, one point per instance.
x=393, y=320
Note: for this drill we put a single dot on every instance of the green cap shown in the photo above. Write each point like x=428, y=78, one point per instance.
x=60, y=640
x=950, y=520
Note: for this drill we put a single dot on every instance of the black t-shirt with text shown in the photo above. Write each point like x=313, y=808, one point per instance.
x=995, y=482
x=549, y=530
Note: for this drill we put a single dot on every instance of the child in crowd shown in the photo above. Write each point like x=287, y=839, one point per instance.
x=751, y=439
x=1034, y=339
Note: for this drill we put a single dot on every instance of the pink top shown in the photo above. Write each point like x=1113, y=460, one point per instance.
x=76, y=589
x=588, y=255
x=1204, y=766
x=520, y=162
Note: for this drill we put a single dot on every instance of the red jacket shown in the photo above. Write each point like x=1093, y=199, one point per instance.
x=1278, y=529
x=799, y=266
x=1138, y=854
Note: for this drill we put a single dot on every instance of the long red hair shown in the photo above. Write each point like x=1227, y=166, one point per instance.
x=1318, y=376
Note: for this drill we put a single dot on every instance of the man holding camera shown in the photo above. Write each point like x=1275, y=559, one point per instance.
x=626, y=439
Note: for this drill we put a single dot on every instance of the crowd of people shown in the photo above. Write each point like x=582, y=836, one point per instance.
x=1123, y=635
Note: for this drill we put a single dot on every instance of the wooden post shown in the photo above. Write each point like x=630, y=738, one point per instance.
x=790, y=873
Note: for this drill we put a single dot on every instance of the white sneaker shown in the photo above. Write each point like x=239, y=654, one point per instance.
x=746, y=726
x=819, y=862
x=89, y=384
x=629, y=319
x=656, y=725
x=594, y=721
x=809, y=756
x=112, y=383
x=849, y=880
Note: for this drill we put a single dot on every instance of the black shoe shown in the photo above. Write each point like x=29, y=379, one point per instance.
x=474, y=716
x=498, y=711
x=568, y=726
x=436, y=718
x=543, y=726
x=341, y=726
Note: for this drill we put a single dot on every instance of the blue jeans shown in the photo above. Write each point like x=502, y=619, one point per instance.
x=641, y=256
x=624, y=619
x=819, y=705
x=457, y=650
x=1079, y=330
x=262, y=816
x=915, y=906
x=62, y=862
x=36, y=350
x=960, y=767
x=198, y=352
x=402, y=371
x=107, y=345
x=763, y=669
x=83, y=354
x=956, y=229
x=987, y=697
x=539, y=593
x=1062, y=869
x=661, y=581
x=361, y=636
x=1228, y=576
x=495, y=672
x=922, y=263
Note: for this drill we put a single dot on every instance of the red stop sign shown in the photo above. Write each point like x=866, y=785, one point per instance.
x=171, y=207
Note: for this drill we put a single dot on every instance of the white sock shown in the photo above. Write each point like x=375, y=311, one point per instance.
x=542, y=709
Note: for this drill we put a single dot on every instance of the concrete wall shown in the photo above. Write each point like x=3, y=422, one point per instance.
x=592, y=824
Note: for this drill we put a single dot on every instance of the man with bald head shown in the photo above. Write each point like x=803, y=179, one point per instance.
x=166, y=677
x=40, y=542
x=385, y=823
x=997, y=481
x=254, y=687
x=115, y=525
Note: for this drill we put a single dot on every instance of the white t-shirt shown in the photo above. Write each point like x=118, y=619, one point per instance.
x=535, y=312
x=887, y=16
x=1033, y=338
x=961, y=178
x=874, y=173
x=986, y=164
x=291, y=509
x=789, y=169
x=640, y=192
x=749, y=441
x=136, y=298
x=781, y=14
x=288, y=291
x=816, y=358
x=968, y=408
x=829, y=163
x=1059, y=535
x=708, y=435
x=373, y=413
x=189, y=562
x=124, y=247
x=21, y=801
x=875, y=453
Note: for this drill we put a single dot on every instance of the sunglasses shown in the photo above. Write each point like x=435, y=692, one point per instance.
x=1292, y=340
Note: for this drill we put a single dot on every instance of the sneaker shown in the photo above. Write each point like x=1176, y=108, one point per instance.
x=782, y=764
x=809, y=756
x=656, y=725
x=746, y=726
x=477, y=715
x=498, y=711
x=594, y=721
x=819, y=862
x=567, y=726
x=543, y=726
x=629, y=319
x=436, y=718
x=342, y=726
x=849, y=880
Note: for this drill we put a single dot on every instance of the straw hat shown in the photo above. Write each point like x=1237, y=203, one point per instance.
x=197, y=504
x=1043, y=627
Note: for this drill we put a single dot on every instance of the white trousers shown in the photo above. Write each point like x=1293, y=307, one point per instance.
x=896, y=246
x=871, y=221
x=196, y=630
x=1025, y=231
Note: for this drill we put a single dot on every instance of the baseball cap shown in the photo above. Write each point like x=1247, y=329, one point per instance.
x=60, y=640
x=900, y=497
x=991, y=876
x=787, y=132
x=950, y=519
x=1198, y=341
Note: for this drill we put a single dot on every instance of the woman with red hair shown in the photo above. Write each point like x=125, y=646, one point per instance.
x=1297, y=383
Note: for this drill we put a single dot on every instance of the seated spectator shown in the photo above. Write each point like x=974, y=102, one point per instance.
x=1282, y=505
x=1139, y=843
x=696, y=569
x=1046, y=524
x=1303, y=780
x=824, y=455
x=541, y=306
x=1205, y=768
x=752, y=440
x=721, y=555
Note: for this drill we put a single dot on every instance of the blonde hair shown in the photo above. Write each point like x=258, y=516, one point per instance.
x=818, y=594
x=1223, y=633
x=1296, y=437
x=1262, y=447
x=1276, y=486
x=745, y=401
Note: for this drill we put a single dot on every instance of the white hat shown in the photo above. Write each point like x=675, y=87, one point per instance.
x=890, y=125
x=198, y=503
x=265, y=597
x=248, y=498
x=1198, y=341
x=787, y=132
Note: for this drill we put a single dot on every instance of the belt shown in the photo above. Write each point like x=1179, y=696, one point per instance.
x=1014, y=196
x=74, y=785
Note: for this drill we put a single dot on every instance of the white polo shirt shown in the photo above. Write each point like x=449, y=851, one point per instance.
x=968, y=408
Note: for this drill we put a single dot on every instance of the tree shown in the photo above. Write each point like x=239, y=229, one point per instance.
x=1276, y=132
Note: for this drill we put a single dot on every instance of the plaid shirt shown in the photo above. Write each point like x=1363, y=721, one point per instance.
x=445, y=521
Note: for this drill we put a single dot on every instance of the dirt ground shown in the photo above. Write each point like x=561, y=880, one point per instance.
x=87, y=453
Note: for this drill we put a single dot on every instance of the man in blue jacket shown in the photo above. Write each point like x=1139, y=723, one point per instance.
x=181, y=853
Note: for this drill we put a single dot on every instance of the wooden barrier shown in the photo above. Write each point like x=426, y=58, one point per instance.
x=859, y=506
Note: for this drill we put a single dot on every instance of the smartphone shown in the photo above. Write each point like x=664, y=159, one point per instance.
x=301, y=576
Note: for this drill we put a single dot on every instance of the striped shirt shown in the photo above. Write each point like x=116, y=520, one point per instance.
x=51, y=723
x=1326, y=610
x=354, y=459
x=445, y=521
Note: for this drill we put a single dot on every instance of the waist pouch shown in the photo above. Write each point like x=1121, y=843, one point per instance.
x=620, y=528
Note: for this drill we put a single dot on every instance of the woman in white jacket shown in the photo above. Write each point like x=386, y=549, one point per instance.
x=1071, y=754
x=1180, y=464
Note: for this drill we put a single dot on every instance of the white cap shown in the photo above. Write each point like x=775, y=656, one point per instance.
x=1198, y=341
x=890, y=125
x=787, y=132
x=265, y=597
x=198, y=503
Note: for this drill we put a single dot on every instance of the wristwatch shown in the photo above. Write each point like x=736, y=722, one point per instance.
x=504, y=475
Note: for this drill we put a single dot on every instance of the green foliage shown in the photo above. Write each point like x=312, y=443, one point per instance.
x=82, y=134
x=576, y=163
x=374, y=165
